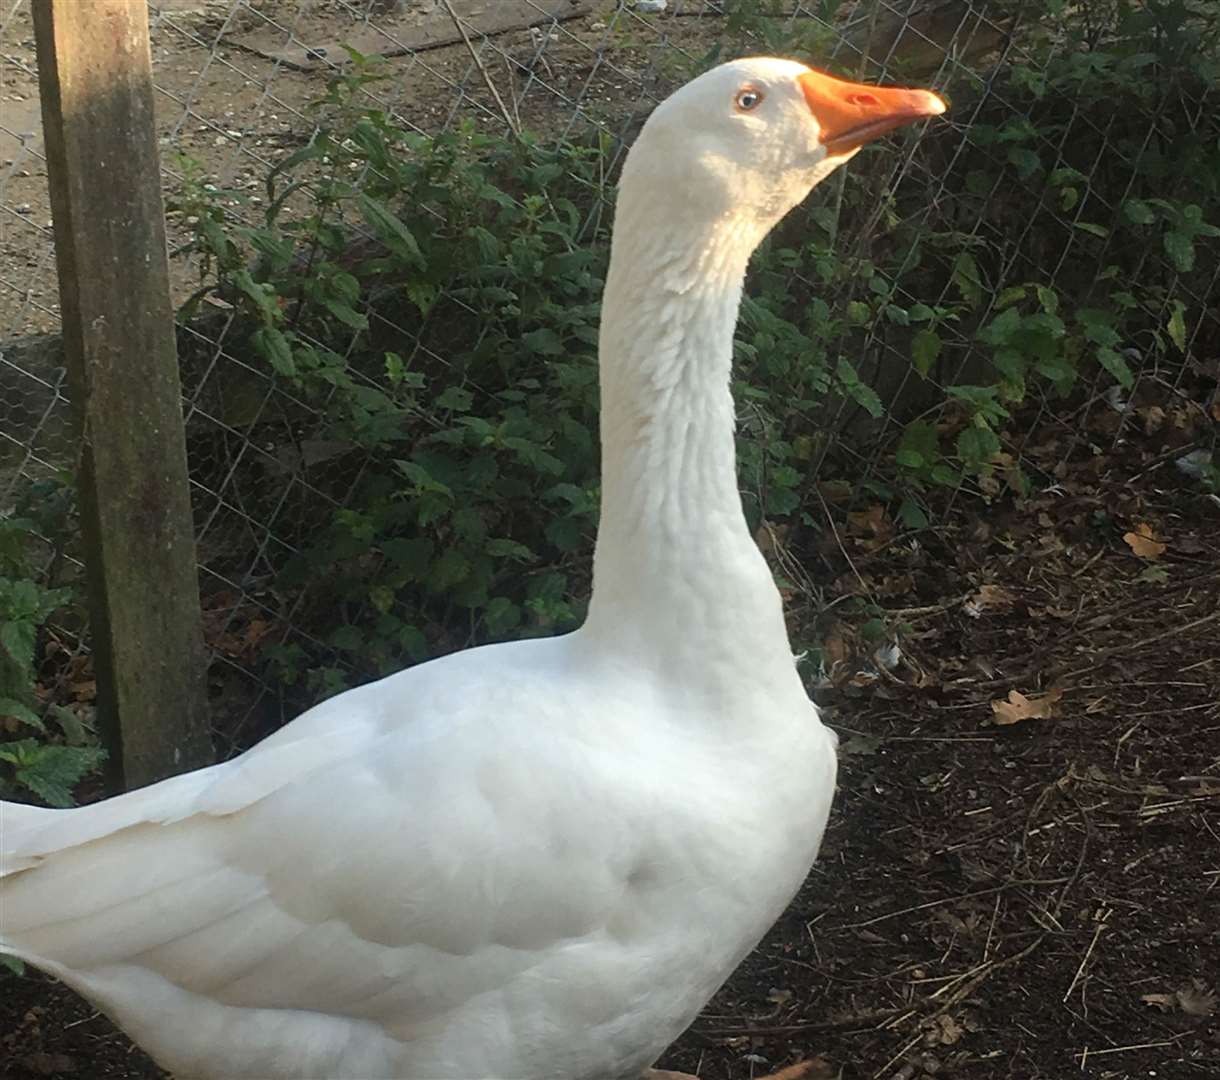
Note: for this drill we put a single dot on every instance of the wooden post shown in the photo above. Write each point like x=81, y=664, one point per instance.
x=95, y=74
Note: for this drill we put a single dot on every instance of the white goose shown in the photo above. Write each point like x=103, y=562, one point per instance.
x=529, y=860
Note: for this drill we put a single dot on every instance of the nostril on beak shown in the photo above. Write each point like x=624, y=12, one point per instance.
x=862, y=99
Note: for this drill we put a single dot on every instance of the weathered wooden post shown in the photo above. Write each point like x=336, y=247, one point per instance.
x=95, y=73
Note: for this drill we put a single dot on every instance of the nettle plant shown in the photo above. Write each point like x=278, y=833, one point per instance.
x=45, y=749
x=438, y=300
x=435, y=300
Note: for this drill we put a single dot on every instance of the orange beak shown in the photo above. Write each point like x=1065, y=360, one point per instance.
x=850, y=114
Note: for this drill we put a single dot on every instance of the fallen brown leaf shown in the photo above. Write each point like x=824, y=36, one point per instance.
x=944, y=1030
x=1143, y=542
x=1194, y=999
x=1018, y=707
x=990, y=597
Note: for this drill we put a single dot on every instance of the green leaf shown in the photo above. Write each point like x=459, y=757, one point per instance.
x=925, y=349
x=1009, y=363
x=395, y=369
x=863, y=395
x=544, y=342
x=534, y=455
x=273, y=247
x=1091, y=229
x=1139, y=212
x=274, y=347
x=261, y=295
x=422, y=478
x=1001, y=329
x=75, y=730
x=567, y=533
x=423, y=295
x=1180, y=247
x=345, y=314
x=1024, y=160
x=858, y=312
x=911, y=514
x=51, y=772
x=501, y=615
x=920, y=445
x=982, y=398
x=390, y=230
x=503, y=548
x=1116, y=364
x=346, y=286
x=411, y=555
x=976, y=446
x=348, y=638
x=17, y=711
x=448, y=570
x=455, y=398
x=945, y=475
x=1177, y=325
x=966, y=278
x=1098, y=326
x=1059, y=370
x=17, y=639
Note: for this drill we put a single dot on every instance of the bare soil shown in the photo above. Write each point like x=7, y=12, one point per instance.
x=235, y=112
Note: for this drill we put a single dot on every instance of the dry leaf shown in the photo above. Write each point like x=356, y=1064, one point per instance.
x=1018, y=707
x=1153, y=417
x=1194, y=999
x=943, y=1031
x=989, y=598
x=1144, y=542
x=870, y=520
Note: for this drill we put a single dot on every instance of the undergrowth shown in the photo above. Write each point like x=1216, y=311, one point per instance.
x=432, y=301
x=45, y=746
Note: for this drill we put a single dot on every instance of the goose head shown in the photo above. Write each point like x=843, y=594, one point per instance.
x=746, y=141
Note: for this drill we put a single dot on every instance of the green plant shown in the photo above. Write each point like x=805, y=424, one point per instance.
x=37, y=749
x=432, y=303
x=444, y=310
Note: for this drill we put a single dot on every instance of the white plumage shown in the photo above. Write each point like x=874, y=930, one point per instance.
x=530, y=860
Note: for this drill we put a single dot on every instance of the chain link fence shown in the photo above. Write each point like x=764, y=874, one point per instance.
x=1024, y=201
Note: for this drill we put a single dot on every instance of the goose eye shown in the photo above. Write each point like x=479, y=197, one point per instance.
x=748, y=99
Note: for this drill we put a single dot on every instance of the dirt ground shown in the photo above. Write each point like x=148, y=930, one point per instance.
x=235, y=111
x=1021, y=887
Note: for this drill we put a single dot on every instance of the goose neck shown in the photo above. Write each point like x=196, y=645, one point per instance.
x=675, y=570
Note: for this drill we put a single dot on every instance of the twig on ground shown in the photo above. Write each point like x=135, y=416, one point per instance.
x=1127, y=646
x=478, y=60
x=1084, y=960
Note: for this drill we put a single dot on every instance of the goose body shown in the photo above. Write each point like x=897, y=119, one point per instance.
x=528, y=860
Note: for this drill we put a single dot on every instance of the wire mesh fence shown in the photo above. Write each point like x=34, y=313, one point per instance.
x=970, y=269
